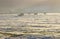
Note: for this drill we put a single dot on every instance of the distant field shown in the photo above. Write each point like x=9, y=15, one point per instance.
x=31, y=23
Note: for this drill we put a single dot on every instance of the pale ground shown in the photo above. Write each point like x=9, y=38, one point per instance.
x=40, y=24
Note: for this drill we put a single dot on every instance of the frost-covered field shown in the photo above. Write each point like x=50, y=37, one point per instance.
x=30, y=25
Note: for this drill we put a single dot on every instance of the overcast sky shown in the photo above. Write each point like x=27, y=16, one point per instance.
x=29, y=6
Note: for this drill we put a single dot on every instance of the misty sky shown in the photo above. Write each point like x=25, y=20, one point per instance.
x=29, y=6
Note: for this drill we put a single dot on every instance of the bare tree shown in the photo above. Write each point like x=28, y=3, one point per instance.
x=35, y=13
x=21, y=14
